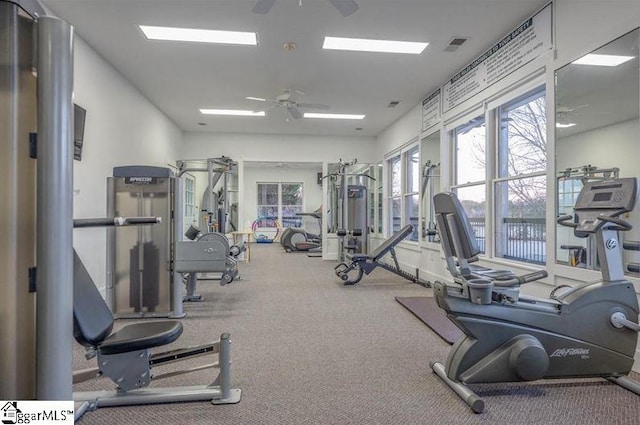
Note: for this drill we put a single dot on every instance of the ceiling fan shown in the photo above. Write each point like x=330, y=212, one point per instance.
x=345, y=7
x=289, y=104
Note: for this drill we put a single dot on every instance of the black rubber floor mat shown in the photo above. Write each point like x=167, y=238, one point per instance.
x=426, y=309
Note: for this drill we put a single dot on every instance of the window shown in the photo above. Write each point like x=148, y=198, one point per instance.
x=412, y=192
x=281, y=201
x=395, y=198
x=500, y=176
x=291, y=202
x=470, y=177
x=404, y=190
x=521, y=183
x=190, y=213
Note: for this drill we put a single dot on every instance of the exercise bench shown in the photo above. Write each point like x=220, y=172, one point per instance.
x=125, y=356
x=361, y=264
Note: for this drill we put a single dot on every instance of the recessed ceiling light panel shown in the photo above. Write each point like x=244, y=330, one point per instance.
x=367, y=45
x=236, y=112
x=602, y=60
x=560, y=125
x=199, y=35
x=333, y=116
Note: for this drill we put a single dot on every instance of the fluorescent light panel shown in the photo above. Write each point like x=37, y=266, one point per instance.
x=333, y=116
x=365, y=45
x=199, y=36
x=236, y=112
x=560, y=125
x=602, y=60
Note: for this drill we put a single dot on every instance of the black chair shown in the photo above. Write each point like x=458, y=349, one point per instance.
x=124, y=356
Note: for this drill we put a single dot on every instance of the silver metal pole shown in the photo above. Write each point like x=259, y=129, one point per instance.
x=111, y=247
x=225, y=366
x=176, y=311
x=54, y=313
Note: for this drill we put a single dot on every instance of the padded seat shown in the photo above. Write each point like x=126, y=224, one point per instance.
x=460, y=246
x=140, y=336
x=93, y=321
x=359, y=257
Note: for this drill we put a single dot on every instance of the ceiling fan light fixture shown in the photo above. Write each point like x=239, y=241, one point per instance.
x=333, y=116
x=377, y=46
x=234, y=112
x=199, y=35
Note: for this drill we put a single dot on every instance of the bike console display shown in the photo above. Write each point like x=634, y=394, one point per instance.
x=601, y=201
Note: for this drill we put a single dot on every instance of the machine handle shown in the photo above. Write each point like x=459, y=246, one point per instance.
x=115, y=221
x=631, y=245
x=563, y=221
x=620, y=224
x=134, y=221
x=619, y=320
x=519, y=280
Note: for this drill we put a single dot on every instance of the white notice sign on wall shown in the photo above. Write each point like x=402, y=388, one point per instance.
x=431, y=110
x=525, y=43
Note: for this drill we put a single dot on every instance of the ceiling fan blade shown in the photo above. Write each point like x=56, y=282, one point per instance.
x=313, y=106
x=263, y=6
x=293, y=111
x=259, y=99
x=345, y=7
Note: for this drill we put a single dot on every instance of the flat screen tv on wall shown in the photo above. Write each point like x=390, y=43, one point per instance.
x=79, y=115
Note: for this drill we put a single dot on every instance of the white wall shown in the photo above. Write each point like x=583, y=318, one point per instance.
x=402, y=131
x=122, y=127
x=285, y=148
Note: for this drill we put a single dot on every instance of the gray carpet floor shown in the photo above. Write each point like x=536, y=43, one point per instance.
x=307, y=350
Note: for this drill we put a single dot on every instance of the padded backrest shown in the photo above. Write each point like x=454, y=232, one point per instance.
x=456, y=234
x=92, y=319
x=390, y=242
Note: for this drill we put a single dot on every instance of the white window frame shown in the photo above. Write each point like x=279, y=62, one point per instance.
x=190, y=212
x=391, y=197
x=490, y=112
x=406, y=195
x=499, y=236
x=401, y=156
x=280, y=205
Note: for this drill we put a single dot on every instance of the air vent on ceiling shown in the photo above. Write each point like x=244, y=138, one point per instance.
x=454, y=43
x=393, y=103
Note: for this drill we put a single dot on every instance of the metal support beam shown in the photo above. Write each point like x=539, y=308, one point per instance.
x=54, y=317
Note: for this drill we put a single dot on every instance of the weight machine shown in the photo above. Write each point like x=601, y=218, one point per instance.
x=348, y=212
x=218, y=210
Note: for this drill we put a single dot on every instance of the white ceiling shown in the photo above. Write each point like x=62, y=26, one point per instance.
x=180, y=78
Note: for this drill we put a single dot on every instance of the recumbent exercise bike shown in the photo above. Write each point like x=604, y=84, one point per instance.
x=587, y=331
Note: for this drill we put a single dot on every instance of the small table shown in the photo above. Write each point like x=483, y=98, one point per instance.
x=240, y=235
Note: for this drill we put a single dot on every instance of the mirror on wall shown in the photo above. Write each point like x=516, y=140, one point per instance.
x=429, y=186
x=597, y=138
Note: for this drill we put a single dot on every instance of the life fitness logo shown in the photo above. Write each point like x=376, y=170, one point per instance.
x=611, y=243
x=36, y=412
